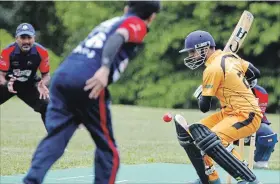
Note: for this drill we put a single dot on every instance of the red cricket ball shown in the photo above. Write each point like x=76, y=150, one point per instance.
x=167, y=117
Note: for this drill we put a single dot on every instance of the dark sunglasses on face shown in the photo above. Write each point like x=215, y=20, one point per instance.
x=25, y=37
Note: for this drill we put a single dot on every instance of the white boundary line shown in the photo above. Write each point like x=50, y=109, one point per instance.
x=74, y=177
x=121, y=181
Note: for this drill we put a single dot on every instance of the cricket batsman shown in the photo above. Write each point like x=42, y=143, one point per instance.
x=266, y=139
x=240, y=115
x=19, y=63
x=79, y=93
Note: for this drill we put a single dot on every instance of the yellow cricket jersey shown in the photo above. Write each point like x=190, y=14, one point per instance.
x=224, y=78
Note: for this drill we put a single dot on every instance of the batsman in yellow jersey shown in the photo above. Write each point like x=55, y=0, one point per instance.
x=225, y=77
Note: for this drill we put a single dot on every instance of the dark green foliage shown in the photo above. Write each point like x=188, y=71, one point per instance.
x=42, y=15
x=158, y=76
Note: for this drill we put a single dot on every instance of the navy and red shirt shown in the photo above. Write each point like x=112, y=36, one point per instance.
x=90, y=49
x=24, y=65
x=262, y=95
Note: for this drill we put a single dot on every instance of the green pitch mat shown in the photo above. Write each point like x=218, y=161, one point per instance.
x=144, y=173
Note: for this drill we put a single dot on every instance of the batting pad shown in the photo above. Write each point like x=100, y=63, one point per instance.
x=211, y=144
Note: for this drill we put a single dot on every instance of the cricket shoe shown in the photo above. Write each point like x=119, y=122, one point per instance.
x=261, y=165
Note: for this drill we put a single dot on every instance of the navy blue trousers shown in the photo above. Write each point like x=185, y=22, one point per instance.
x=263, y=152
x=69, y=105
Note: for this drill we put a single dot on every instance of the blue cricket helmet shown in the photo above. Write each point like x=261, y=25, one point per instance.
x=197, y=45
x=198, y=39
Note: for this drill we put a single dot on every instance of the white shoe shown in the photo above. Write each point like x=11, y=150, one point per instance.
x=261, y=165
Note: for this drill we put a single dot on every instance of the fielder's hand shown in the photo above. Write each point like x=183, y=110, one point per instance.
x=43, y=90
x=98, y=82
x=11, y=85
x=198, y=92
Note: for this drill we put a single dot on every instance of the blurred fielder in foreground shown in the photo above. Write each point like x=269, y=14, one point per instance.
x=240, y=116
x=19, y=63
x=79, y=93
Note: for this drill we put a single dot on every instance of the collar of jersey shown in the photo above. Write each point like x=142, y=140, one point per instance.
x=133, y=14
x=212, y=57
x=17, y=49
x=32, y=50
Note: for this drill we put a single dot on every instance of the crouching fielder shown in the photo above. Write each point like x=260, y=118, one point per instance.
x=266, y=139
x=240, y=115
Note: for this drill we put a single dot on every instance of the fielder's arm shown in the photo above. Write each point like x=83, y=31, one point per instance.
x=3, y=80
x=112, y=46
x=46, y=77
x=45, y=68
x=132, y=30
x=4, y=66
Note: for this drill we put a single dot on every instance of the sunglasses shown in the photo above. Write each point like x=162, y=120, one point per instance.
x=25, y=36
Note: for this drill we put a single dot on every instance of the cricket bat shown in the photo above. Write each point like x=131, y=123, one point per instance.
x=240, y=32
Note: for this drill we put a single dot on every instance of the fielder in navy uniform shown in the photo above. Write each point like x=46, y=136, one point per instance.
x=79, y=93
x=266, y=139
x=19, y=63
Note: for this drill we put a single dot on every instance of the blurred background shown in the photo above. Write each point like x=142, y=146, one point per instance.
x=158, y=77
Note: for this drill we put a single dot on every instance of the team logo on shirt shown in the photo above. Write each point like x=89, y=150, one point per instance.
x=15, y=63
x=136, y=27
x=208, y=86
x=22, y=75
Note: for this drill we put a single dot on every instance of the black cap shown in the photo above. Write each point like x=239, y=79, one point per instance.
x=144, y=9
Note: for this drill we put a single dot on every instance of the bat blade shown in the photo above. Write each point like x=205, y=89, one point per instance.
x=181, y=121
x=240, y=32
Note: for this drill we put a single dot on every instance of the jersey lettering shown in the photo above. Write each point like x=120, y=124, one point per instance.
x=95, y=39
x=21, y=75
x=84, y=51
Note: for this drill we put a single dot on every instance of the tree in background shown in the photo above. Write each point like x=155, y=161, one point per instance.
x=42, y=15
x=160, y=78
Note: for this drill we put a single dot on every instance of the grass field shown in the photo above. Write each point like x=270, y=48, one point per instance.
x=140, y=132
